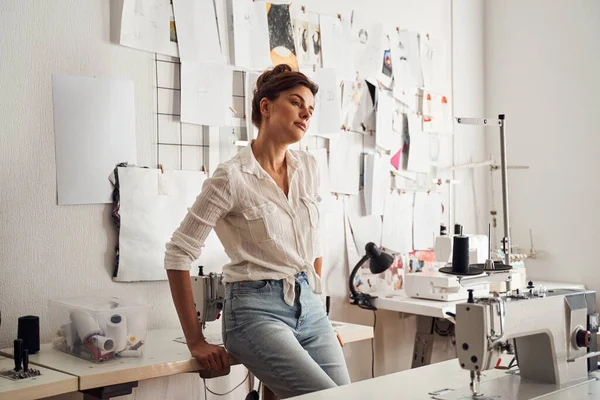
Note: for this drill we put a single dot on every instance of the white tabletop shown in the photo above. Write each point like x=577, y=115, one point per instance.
x=49, y=383
x=413, y=384
x=163, y=356
x=399, y=301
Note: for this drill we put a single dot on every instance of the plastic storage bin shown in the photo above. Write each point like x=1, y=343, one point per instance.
x=99, y=329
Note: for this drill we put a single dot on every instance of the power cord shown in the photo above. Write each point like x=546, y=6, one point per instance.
x=206, y=389
x=373, y=345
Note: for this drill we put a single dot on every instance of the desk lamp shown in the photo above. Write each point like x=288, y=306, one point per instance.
x=379, y=262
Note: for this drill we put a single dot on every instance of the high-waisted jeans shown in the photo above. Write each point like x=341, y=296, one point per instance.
x=291, y=349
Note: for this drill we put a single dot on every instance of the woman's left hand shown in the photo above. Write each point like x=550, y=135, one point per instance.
x=339, y=338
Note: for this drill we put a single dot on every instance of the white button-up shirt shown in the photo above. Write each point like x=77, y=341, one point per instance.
x=265, y=234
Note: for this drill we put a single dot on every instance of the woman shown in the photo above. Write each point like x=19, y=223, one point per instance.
x=263, y=205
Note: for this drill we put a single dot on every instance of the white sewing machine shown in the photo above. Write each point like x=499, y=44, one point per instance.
x=209, y=295
x=554, y=335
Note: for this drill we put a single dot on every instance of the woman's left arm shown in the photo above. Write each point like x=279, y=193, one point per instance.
x=318, y=265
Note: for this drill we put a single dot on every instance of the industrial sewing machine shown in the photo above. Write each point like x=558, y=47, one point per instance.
x=554, y=334
x=209, y=295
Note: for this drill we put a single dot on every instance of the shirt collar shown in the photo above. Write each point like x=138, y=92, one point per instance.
x=251, y=166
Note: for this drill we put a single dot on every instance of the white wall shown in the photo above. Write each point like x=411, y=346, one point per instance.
x=541, y=69
x=48, y=251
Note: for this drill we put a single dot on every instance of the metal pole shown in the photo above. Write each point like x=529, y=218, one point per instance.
x=506, y=240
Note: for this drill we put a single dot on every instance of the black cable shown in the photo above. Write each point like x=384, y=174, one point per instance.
x=226, y=393
x=373, y=345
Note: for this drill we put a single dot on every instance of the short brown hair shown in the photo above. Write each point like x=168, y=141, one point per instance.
x=271, y=83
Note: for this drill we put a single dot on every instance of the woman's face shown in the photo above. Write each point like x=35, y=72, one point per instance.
x=288, y=117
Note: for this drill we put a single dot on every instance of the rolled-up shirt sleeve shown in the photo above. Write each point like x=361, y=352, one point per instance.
x=211, y=205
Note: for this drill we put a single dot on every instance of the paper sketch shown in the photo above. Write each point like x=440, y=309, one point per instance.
x=197, y=32
x=404, y=46
x=250, y=86
x=281, y=37
x=367, y=46
x=321, y=156
x=94, y=130
x=327, y=103
x=358, y=110
x=251, y=35
x=384, y=131
x=336, y=41
x=386, y=70
x=435, y=64
x=398, y=222
x=365, y=228
x=301, y=35
x=150, y=26
x=206, y=94
x=314, y=39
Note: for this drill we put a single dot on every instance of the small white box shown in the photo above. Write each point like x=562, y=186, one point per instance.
x=99, y=329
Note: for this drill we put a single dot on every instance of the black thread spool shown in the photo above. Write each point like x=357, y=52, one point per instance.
x=460, y=254
x=28, y=329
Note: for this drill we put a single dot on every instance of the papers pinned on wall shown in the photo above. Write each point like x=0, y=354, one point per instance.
x=367, y=46
x=281, y=36
x=94, y=130
x=344, y=162
x=435, y=66
x=406, y=60
x=249, y=87
x=149, y=218
x=385, y=137
x=358, y=106
x=149, y=25
x=365, y=228
x=326, y=117
x=377, y=182
x=250, y=35
x=427, y=219
x=320, y=156
x=336, y=40
x=206, y=94
x=197, y=32
x=418, y=148
x=437, y=113
x=398, y=222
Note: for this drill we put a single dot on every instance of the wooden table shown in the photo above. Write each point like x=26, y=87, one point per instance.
x=163, y=356
x=49, y=383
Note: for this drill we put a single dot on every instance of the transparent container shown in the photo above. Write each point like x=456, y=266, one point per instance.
x=99, y=329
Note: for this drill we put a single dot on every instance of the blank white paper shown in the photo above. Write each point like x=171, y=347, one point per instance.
x=149, y=218
x=398, y=222
x=384, y=128
x=365, y=228
x=418, y=149
x=94, y=129
x=427, y=219
x=149, y=25
x=251, y=34
x=336, y=41
x=206, y=94
x=377, y=182
x=435, y=64
x=320, y=156
x=344, y=162
x=197, y=32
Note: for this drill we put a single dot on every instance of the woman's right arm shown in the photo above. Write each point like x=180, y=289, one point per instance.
x=208, y=355
x=212, y=204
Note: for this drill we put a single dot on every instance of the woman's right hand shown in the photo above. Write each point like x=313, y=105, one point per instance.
x=209, y=356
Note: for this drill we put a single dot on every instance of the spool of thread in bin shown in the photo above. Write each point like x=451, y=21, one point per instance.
x=104, y=344
x=460, y=254
x=85, y=325
x=116, y=329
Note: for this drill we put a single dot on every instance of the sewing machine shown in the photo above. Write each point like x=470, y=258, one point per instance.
x=554, y=335
x=209, y=295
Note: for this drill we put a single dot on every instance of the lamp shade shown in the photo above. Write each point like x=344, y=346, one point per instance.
x=379, y=261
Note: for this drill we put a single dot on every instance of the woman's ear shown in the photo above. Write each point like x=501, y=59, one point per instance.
x=265, y=107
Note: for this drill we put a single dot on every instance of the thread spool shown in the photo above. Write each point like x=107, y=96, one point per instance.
x=460, y=254
x=116, y=329
x=28, y=329
x=85, y=325
x=103, y=344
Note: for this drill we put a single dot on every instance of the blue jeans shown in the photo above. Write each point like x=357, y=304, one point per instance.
x=291, y=349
